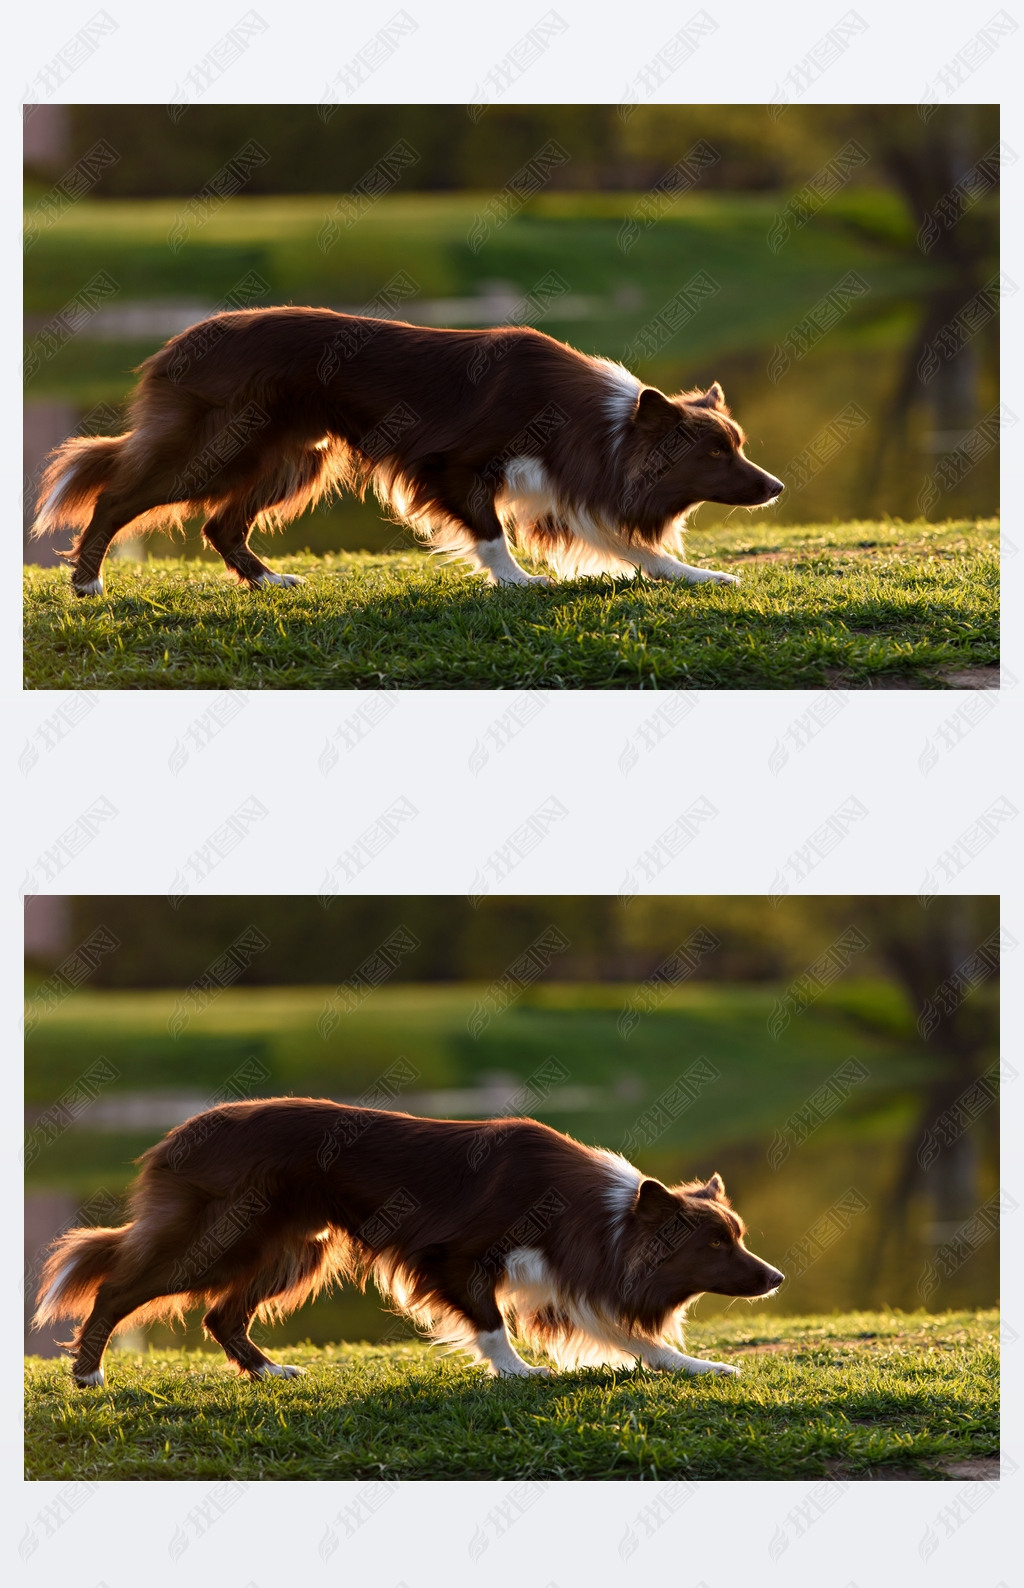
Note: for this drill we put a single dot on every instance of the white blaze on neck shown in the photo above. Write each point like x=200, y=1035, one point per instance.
x=622, y=1187
x=623, y=395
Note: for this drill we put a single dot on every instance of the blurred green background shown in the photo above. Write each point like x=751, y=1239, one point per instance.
x=835, y=1059
x=833, y=249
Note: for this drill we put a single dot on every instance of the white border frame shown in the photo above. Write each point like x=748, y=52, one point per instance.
x=422, y=751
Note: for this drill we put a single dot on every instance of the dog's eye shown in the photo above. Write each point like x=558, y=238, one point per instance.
x=716, y=1243
x=716, y=452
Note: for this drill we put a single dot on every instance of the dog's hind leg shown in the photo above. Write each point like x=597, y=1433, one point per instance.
x=228, y=532
x=229, y=1322
x=114, y=510
x=116, y=1300
x=292, y=1276
x=296, y=483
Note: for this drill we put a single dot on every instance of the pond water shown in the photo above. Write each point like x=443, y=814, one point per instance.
x=892, y=412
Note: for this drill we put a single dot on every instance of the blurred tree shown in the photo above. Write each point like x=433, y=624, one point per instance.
x=328, y=149
x=946, y=962
x=608, y=939
x=753, y=151
x=925, y=160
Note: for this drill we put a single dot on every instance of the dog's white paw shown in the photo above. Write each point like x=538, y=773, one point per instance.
x=278, y=578
x=89, y=1380
x=512, y=581
x=88, y=587
x=722, y=1369
x=661, y=567
x=520, y=1370
x=278, y=1370
x=711, y=576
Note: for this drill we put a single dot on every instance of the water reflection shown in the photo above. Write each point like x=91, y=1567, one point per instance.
x=891, y=413
x=946, y=382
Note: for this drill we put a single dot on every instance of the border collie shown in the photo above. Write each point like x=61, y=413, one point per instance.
x=477, y=440
x=469, y=1228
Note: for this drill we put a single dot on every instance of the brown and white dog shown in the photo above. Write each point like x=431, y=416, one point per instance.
x=477, y=440
x=472, y=1229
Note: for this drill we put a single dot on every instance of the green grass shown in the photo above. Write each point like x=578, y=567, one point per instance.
x=852, y=1396
x=853, y=605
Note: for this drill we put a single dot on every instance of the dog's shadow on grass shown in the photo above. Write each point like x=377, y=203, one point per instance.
x=385, y=629
x=372, y=1419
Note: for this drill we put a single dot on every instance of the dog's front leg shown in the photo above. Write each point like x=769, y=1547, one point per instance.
x=503, y=1360
x=501, y=567
x=659, y=565
x=665, y=1359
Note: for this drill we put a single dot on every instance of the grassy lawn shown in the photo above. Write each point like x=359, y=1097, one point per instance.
x=857, y=1395
x=856, y=605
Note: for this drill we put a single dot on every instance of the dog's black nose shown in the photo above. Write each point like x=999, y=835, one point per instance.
x=774, y=488
x=776, y=1278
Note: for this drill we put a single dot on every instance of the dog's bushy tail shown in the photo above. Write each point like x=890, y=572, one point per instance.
x=78, y=1263
x=77, y=471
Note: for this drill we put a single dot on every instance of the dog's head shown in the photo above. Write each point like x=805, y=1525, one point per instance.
x=688, y=1240
x=687, y=449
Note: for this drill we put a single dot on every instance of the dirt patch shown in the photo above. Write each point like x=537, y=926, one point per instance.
x=854, y=1342
x=766, y=556
x=963, y=678
x=812, y=553
x=837, y=680
x=980, y=1468
x=840, y=1473
x=972, y=678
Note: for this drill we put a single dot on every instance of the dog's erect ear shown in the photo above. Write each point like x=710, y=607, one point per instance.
x=714, y=397
x=714, y=1191
x=655, y=1201
x=655, y=416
